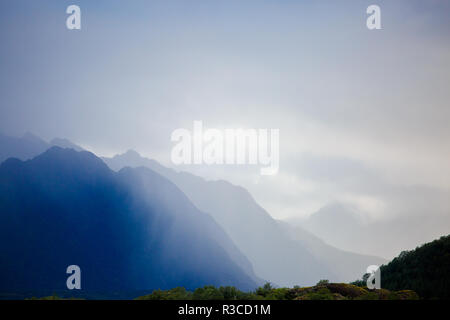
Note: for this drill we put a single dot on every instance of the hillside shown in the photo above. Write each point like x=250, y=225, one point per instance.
x=425, y=270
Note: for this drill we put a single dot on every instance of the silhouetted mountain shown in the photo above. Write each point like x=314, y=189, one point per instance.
x=425, y=270
x=29, y=146
x=276, y=254
x=129, y=230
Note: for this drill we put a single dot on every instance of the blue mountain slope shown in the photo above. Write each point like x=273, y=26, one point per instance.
x=131, y=230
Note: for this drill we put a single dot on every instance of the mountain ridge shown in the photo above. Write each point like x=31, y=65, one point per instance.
x=66, y=207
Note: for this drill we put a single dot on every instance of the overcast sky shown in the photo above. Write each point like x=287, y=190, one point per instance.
x=363, y=115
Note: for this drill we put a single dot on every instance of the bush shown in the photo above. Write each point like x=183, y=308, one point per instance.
x=322, y=282
x=178, y=293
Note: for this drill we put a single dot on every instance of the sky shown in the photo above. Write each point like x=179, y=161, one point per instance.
x=363, y=114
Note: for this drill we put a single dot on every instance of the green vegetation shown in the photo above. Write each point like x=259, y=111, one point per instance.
x=322, y=291
x=425, y=270
x=322, y=282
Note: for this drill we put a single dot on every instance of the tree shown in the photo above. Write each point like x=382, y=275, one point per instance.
x=322, y=282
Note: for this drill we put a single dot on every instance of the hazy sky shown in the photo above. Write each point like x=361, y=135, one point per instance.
x=363, y=115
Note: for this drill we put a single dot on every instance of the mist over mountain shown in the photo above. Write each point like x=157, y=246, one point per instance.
x=335, y=224
x=29, y=146
x=22, y=148
x=342, y=226
x=278, y=253
x=345, y=264
x=65, y=143
x=130, y=230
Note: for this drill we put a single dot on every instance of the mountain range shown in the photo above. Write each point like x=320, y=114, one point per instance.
x=127, y=230
x=150, y=214
x=286, y=255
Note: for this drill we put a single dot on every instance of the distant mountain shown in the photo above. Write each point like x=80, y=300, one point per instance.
x=275, y=252
x=22, y=148
x=344, y=263
x=336, y=224
x=425, y=270
x=343, y=226
x=130, y=230
x=29, y=146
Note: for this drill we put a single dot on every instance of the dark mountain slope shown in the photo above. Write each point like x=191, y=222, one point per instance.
x=132, y=230
x=425, y=270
